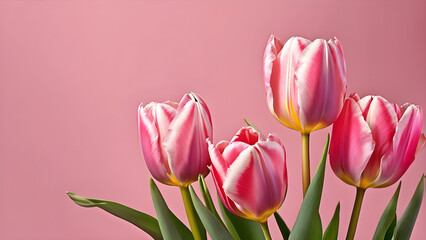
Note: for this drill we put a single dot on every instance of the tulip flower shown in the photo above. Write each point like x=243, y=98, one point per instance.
x=305, y=86
x=173, y=139
x=373, y=143
x=250, y=174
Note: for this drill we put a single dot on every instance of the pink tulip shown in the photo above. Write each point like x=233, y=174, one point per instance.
x=173, y=139
x=374, y=142
x=250, y=174
x=305, y=82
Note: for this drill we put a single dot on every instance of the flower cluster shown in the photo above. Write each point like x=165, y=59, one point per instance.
x=373, y=142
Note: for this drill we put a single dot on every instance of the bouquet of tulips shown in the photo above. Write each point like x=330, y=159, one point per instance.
x=373, y=142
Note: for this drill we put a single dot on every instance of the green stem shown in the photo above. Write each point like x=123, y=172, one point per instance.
x=355, y=213
x=190, y=213
x=265, y=230
x=306, y=171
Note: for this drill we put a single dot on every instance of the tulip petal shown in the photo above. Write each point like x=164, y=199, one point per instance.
x=232, y=151
x=336, y=50
x=247, y=135
x=351, y=144
x=163, y=114
x=364, y=103
x=422, y=143
x=220, y=146
x=274, y=157
x=382, y=120
x=186, y=144
x=151, y=149
x=355, y=97
x=279, y=66
x=321, y=85
x=396, y=162
x=218, y=169
x=273, y=47
x=254, y=181
x=274, y=138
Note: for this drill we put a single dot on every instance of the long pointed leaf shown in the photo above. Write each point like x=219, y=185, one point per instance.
x=389, y=232
x=141, y=220
x=228, y=223
x=285, y=231
x=405, y=224
x=171, y=227
x=241, y=228
x=308, y=221
x=387, y=216
x=207, y=197
x=215, y=228
x=332, y=230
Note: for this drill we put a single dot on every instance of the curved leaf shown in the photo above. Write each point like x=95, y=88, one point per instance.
x=141, y=220
x=241, y=228
x=308, y=221
x=215, y=228
x=285, y=231
x=332, y=230
x=389, y=232
x=171, y=227
x=207, y=197
x=405, y=224
x=387, y=217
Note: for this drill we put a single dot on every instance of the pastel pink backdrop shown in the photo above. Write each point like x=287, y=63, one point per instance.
x=72, y=74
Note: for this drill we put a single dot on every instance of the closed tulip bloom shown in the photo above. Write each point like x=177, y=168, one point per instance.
x=250, y=174
x=173, y=139
x=305, y=82
x=374, y=142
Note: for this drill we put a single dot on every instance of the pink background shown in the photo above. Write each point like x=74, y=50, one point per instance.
x=72, y=74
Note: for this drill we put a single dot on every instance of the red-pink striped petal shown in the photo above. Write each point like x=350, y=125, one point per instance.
x=186, y=144
x=233, y=151
x=396, y=162
x=274, y=137
x=151, y=147
x=279, y=80
x=382, y=119
x=247, y=135
x=256, y=181
x=422, y=144
x=321, y=85
x=218, y=169
x=273, y=47
x=351, y=144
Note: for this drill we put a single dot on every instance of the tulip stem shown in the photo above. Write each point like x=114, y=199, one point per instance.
x=190, y=213
x=306, y=171
x=355, y=213
x=265, y=230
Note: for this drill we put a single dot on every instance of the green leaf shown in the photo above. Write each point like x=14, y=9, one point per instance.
x=240, y=228
x=139, y=219
x=285, y=231
x=213, y=226
x=308, y=221
x=389, y=232
x=332, y=230
x=387, y=217
x=171, y=227
x=207, y=197
x=405, y=224
x=255, y=128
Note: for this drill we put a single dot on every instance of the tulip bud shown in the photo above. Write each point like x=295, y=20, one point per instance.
x=250, y=174
x=305, y=82
x=374, y=142
x=173, y=139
